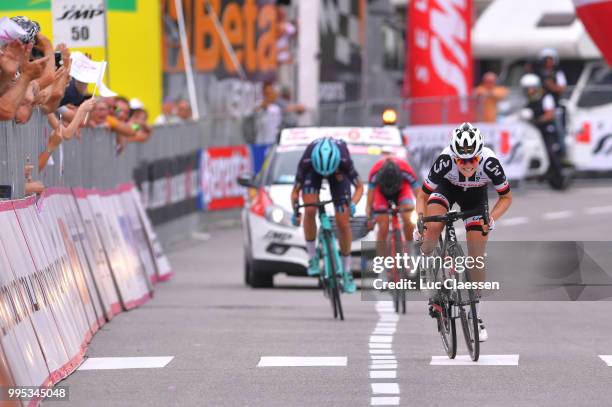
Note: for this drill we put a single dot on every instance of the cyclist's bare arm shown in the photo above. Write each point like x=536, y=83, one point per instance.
x=502, y=205
x=369, y=202
x=358, y=192
x=295, y=195
x=421, y=202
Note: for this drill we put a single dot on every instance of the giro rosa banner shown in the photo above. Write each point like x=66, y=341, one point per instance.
x=440, y=59
x=595, y=15
x=219, y=167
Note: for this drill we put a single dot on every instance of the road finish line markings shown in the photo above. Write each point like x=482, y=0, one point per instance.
x=484, y=360
x=125, y=363
x=384, y=401
x=383, y=362
x=302, y=361
x=607, y=359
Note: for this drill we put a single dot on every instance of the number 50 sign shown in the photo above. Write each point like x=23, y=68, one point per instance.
x=78, y=23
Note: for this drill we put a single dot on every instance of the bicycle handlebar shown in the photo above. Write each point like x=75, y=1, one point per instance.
x=317, y=204
x=452, y=216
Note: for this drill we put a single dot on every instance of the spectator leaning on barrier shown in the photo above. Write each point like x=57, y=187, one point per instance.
x=490, y=94
x=183, y=110
x=168, y=114
x=291, y=110
x=271, y=116
x=121, y=108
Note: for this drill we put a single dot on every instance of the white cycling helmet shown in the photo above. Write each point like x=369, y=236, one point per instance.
x=549, y=53
x=530, y=80
x=467, y=141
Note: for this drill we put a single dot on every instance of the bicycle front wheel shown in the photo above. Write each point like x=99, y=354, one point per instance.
x=334, y=278
x=466, y=301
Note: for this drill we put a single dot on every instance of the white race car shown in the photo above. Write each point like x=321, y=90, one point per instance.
x=271, y=243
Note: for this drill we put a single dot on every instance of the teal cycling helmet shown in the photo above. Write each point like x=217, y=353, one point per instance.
x=325, y=157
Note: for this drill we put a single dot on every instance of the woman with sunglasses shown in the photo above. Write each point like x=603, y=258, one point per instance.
x=460, y=175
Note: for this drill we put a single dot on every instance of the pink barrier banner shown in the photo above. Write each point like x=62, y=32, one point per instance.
x=69, y=262
x=162, y=265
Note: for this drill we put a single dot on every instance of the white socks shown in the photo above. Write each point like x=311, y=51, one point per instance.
x=311, y=248
x=346, y=263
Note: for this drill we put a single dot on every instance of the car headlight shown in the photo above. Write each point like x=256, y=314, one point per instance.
x=278, y=215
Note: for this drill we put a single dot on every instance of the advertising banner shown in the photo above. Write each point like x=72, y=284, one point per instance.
x=219, y=167
x=592, y=149
x=169, y=186
x=94, y=252
x=79, y=23
x=595, y=15
x=18, y=338
x=439, y=58
x=164, y=271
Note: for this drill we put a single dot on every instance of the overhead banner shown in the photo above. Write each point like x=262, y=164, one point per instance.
x=79, y=23
x=219, y=168
x=440, y=59
x=341, y=34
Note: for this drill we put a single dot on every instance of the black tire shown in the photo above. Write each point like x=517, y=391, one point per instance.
x=446, y=323
x=402, y=274
x=247, y=271
x=334, y=283
x=448, y=331
x=467, y=306
x=260, y=278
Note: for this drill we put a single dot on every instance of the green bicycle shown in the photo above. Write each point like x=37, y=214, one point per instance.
x=330, y=277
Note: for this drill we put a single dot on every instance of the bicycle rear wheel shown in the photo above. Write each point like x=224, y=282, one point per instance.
x=446, y=322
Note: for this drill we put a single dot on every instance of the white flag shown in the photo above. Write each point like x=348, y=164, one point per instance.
x=85, y=70
x=105, y=91
x=10, y=31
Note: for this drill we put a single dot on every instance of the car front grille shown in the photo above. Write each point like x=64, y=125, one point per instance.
x=358, y=226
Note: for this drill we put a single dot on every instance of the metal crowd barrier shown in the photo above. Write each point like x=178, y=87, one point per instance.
x=92, y=162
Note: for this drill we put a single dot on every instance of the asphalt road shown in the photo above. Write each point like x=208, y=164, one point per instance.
x=217, y=330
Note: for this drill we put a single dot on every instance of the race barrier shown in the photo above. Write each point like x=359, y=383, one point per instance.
x=202, y=180
x=69, y=262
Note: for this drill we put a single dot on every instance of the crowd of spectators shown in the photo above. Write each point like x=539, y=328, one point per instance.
x=36, y=75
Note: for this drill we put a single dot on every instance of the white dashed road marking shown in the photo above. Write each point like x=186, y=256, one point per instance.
x=385, y=388
x=607, y=359
x=299, y=361
x=125, y=363
x=383, y=364
x=557, y=215
x=514, y=221
x=385, y=401
x=596, y=210
x=484, y=360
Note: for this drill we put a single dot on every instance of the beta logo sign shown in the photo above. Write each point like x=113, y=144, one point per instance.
x=78, y=23
x=219, y=168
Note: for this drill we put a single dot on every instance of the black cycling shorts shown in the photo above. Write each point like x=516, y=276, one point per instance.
x=448, y=194
x=339, y=186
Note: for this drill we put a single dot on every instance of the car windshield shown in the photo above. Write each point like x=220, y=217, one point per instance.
x=283, y=165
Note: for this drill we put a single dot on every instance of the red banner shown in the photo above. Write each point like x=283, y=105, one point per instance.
x=219, y=168
x=595, y=15
x=440, y=60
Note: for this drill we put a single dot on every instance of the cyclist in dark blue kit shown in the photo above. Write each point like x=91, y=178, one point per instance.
x=328, y=158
